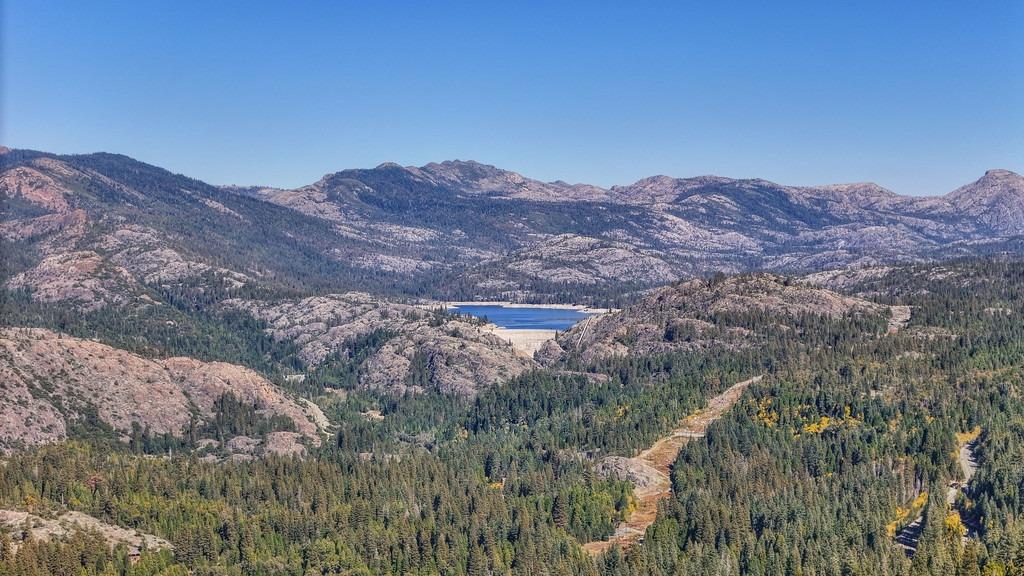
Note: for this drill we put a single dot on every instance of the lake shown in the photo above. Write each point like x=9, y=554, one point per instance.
x=515, y=318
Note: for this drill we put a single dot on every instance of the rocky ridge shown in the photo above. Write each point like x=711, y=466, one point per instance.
x=683, y=316
x=64, y=524
x=51, y=381
x=467, y=229
x=995, y=201
x=685, y=226
x=458, y=356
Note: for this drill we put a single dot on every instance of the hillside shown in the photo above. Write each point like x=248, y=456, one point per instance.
x=102, y=229
x=53, y=383
x=173, y=353
x=706, y=418
x=721, y=313
x=389, y=347
x=995, y=200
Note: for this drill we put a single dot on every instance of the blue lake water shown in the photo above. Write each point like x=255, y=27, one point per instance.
x=525, y=318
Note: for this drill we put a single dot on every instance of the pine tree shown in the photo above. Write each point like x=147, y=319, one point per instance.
x=559, y=512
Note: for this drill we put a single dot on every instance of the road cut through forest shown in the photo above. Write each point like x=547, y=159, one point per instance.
x=657, y=462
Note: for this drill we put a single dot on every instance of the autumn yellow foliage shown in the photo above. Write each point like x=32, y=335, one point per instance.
x=765, y=414
x=969, y=436
x=920, y=501
x=819, y=426
x=954, y=524
x=901, y=515
x=890, y=528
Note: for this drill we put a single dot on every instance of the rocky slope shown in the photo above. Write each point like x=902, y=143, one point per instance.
x=51, y=381
x=458, y=230
x=64, y=524
x=674, y=227
x=583, y=260
x=695, y=314
x=417, y=348
x=995, y=201
x=100, y=230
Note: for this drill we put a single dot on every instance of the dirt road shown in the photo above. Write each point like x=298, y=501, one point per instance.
x=655, y=464
x=910, y=534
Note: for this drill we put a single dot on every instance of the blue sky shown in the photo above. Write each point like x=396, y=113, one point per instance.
x=920, y=97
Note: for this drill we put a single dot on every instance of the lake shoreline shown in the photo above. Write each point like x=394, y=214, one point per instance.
x=578, y=307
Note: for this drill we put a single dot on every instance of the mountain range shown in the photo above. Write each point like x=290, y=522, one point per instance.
x=104, y=229
x=256, y=377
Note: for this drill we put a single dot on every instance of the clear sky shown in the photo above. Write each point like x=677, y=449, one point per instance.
x=920, y=97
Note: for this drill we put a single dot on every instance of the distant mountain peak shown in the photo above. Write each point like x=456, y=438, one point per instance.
x=1001, y=173
x=996, y=200
x=995, y=182
x=504, y=230
x=863, y=191
x=457, y=162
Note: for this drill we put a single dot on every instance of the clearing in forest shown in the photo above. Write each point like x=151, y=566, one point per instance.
x=899, y=318
x=655, y=464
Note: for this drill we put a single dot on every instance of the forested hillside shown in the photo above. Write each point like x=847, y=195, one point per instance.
x=849, y=441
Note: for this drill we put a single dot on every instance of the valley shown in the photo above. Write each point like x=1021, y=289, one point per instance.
x=381, y=373
x=511, y=288
x=909, y=536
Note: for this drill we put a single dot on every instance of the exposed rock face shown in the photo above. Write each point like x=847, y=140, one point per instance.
x=575, y=259
x=996, y=200
x=670, y=227
x=841, y=280
x=51, y=379
x=25, y=419
x=284, y=444
x=36, y=187
x=475, y=178
x=460, y=360
x=459, y=357
x=471, y=228
x=68, y=522
x=643, y=475
x=91, y=259
x=321, y=325
x=143, y=251
x=679, y=317
x=48, y=224
x=549, y=352
x=204, y=382
x=82, y=277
